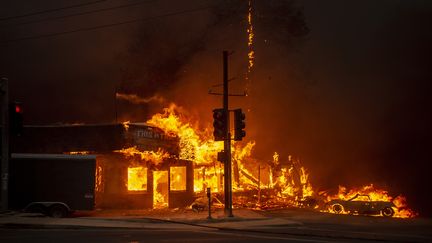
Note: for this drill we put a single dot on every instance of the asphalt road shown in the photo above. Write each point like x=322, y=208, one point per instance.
x=300, y=226
x=354, y=226
x=144, y=235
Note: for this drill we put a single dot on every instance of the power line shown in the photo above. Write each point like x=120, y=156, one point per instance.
x=50, y=10
x=104, y=26
x=85, y=13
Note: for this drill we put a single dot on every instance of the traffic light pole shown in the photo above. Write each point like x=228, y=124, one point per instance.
x=4, y=99
x=227, y=141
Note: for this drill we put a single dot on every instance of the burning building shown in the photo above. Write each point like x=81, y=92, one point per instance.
x=167, y=162
x=136, y=163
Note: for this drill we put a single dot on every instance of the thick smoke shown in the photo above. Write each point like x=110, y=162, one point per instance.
x=352, y=104
x=349, y=98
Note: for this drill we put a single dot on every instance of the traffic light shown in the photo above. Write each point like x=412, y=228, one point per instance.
x=239, y=125
x=15, y=118
x=219, y=124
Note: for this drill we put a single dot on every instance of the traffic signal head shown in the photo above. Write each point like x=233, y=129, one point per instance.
x=239, y=125
x=15, y=118
x=219, y=124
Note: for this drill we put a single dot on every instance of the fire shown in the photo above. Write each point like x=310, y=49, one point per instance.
x=280, y=182
x=208, y=177
x=137, y=179
x=160, y=186
x=147, y=156
x=200, y=148
x=375, y=194
x=289, y=180
x=98, y=178
x=78, y=152
x=178, y=178
x=403, y=210
x=246, y=178
x=251, y=52
x=126, y=125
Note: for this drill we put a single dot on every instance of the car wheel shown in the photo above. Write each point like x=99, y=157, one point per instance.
x=387, y=212
x=337, y=208
x=58, y=211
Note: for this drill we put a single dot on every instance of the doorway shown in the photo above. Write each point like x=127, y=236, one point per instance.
x=160, y=189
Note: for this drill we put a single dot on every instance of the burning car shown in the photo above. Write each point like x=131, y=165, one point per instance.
x=361, y=204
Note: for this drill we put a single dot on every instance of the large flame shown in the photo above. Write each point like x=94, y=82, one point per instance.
x=376, y=194
x=199, y=148
x=285, y=181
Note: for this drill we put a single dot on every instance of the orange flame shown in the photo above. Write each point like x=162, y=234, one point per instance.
x=251, y=52
x=150, y=156
x=288, y=181
x=375, y=194
x=137, y=179
x=200, y=148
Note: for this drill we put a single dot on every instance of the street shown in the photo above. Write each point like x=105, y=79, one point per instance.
x=145, y=235
x=292, y=225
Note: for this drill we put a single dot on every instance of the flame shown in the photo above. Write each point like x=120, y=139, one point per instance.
x=149, y=156
x=208, y=177
x=98, y=178
x=126, y=125
x=307, y=189
x=275, y=158
x=250, y=31
x=287, y=181
x=250, y=42
x=160, y=182
x=137, y=179
x=78, y=152
x=375, y=194
x=200, y=148
x=178, y=178
x=403, y=211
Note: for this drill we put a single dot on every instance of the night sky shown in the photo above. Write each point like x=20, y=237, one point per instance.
x=342, y=85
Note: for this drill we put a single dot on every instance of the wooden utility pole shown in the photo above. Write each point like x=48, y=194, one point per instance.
x=227, y=141
x=4, y=99
x=225, y=155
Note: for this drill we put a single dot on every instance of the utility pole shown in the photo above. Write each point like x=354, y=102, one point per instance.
x=4, y=99
x=227, y=141
x=222, y=132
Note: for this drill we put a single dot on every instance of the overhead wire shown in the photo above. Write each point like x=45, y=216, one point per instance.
x=85, y=13
x=51, y=10
x=105, y=25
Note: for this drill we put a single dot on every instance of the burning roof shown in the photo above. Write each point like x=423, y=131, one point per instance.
x=258, y=184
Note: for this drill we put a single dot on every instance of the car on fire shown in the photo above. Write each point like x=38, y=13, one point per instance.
x=361, y=204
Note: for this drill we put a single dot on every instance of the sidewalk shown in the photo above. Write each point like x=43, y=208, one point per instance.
x=243, y=219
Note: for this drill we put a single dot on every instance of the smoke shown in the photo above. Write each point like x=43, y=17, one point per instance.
x=338, y=98
x=135, y=99
x=344, y=87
